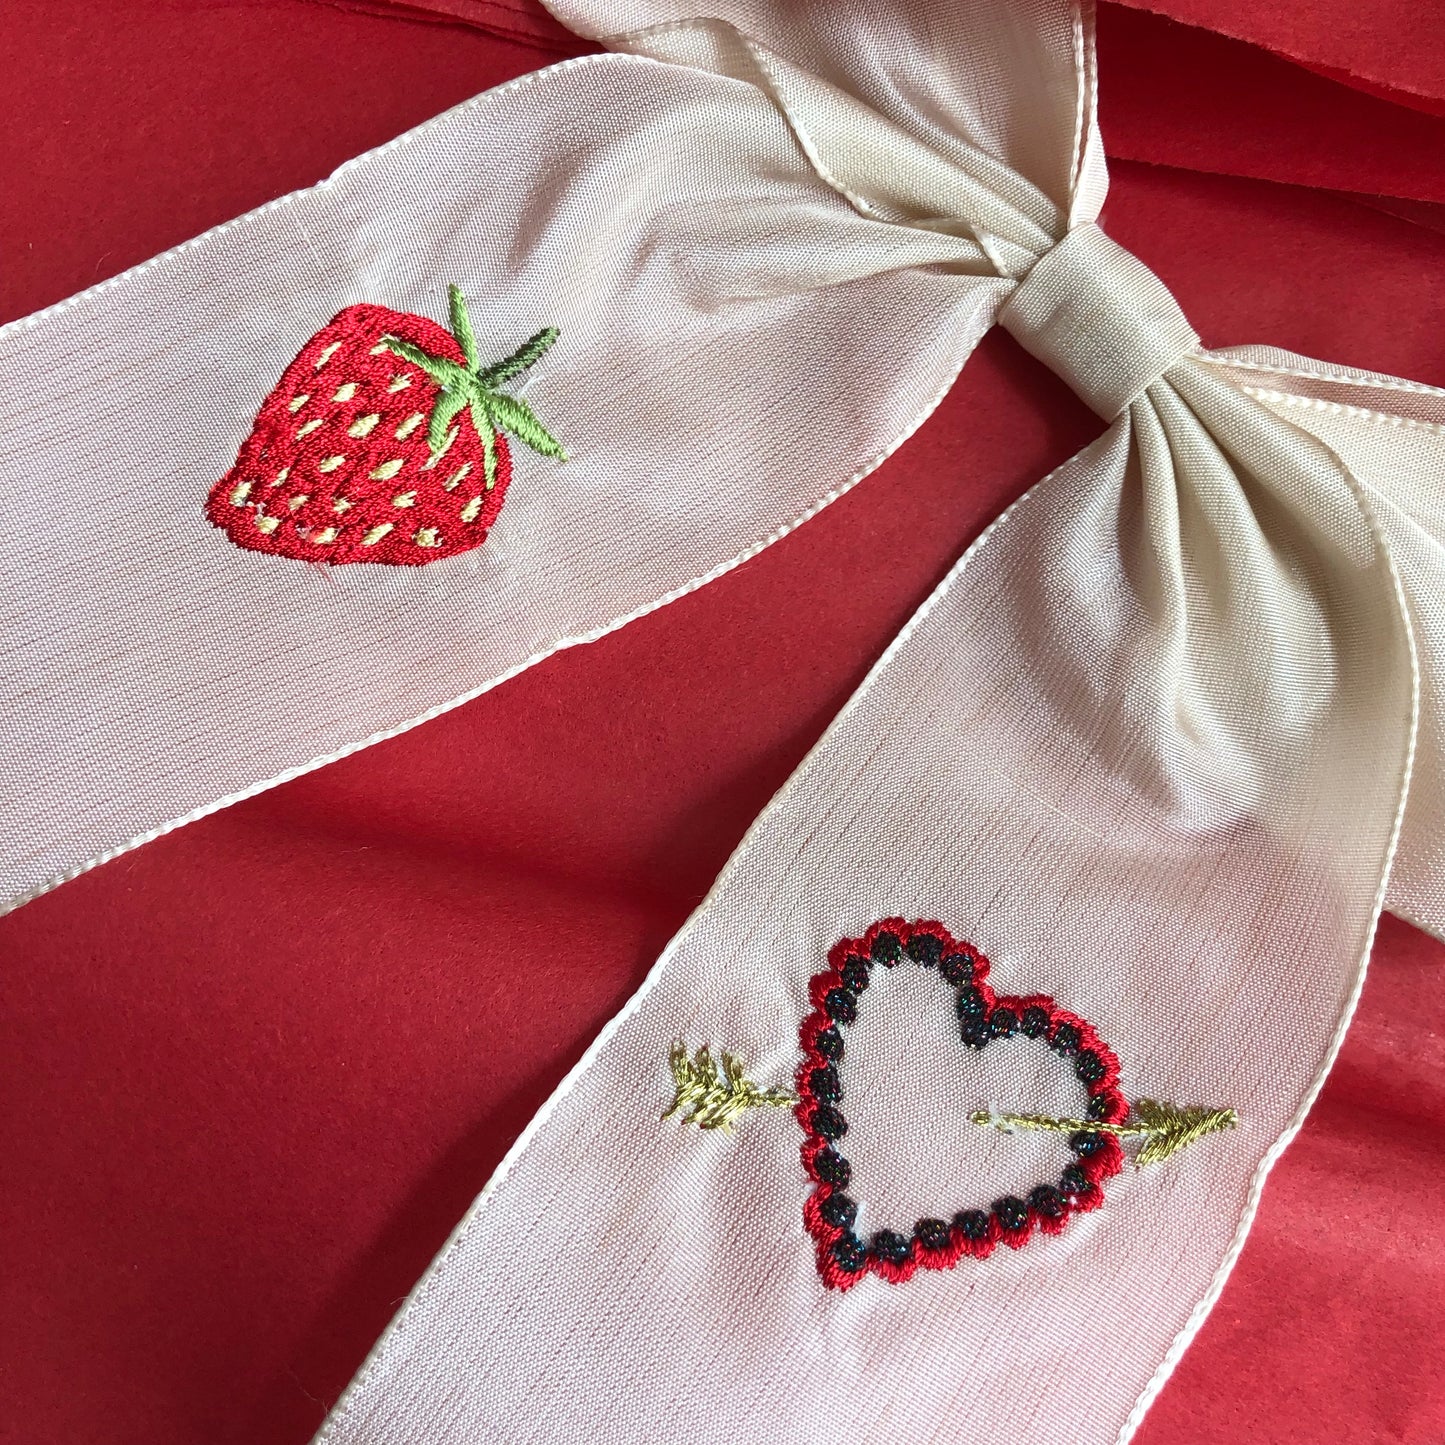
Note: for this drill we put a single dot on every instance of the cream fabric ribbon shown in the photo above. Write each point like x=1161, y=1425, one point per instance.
x=1150, y=744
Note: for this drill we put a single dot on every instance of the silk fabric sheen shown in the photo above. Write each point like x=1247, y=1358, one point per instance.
x=1208, y=728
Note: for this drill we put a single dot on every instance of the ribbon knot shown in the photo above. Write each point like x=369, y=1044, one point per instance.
x=1098, y=316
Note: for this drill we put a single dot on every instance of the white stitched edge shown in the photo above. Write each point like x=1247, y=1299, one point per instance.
x=1336, y=375
x=969, y=339
x=1086, y=104
x=91, y=293
x=523, y=1141
x=804, y=769
x=1210, y=1298
x=1339, y=408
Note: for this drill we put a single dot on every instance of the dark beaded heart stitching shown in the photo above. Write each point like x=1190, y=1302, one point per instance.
x=983, y=1016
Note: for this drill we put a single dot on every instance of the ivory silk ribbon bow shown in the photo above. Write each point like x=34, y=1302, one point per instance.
x=1149, y=745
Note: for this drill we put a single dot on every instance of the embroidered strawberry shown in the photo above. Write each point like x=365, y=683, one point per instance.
x=384, y=441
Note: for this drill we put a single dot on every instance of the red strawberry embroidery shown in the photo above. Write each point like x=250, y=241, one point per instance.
x=384, y=441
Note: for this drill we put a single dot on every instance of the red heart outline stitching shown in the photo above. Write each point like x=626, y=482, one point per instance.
x=984, y=1015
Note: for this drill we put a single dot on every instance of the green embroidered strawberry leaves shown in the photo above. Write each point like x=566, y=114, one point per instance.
x=492, y=411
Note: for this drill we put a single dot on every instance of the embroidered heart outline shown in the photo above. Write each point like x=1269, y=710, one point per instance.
x=829, y=1213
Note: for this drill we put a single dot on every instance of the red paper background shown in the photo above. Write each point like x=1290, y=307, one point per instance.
x=252, y=1074
x=1393, y=47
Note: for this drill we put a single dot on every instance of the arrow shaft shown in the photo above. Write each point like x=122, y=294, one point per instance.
x=1164, y=1128
x=1061, y=1126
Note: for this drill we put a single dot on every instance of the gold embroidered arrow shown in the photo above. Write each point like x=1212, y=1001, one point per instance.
x=1166, y=1128
x=712, y=1100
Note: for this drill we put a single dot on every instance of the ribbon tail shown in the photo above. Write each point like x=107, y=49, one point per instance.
x=1390, y=434
x=1143, y=789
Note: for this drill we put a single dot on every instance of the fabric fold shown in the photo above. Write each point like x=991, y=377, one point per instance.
x=1099, y=318
x=1091, y=785
x=1390, y=434
x=1149, y=747
x=738, y=347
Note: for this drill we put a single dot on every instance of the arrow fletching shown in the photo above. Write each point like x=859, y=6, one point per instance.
x=1172, y=1128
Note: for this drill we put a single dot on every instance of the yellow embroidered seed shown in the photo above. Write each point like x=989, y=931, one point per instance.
x=326, y=534
x=380, y=349
x=281, y=476
x=267, y=524
x=404, y=499
x=330, y=464
x=363, y=425
x=239, y=494
x=297, y=402
x=458, y=476
x=345, y=391
x=327, y=354
x=399, y=383
x=297, y=502
x=427, y=537
x=409, y=426
x=342, y=504
x=376, y=534
x=387, y=470
x=446, y=446
x=309, y=427
x=469, y=512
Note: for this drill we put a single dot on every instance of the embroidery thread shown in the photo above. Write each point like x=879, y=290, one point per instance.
x=384, y=441
x=984, y=1016
x=1166, y=1128
x=710, y=1100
